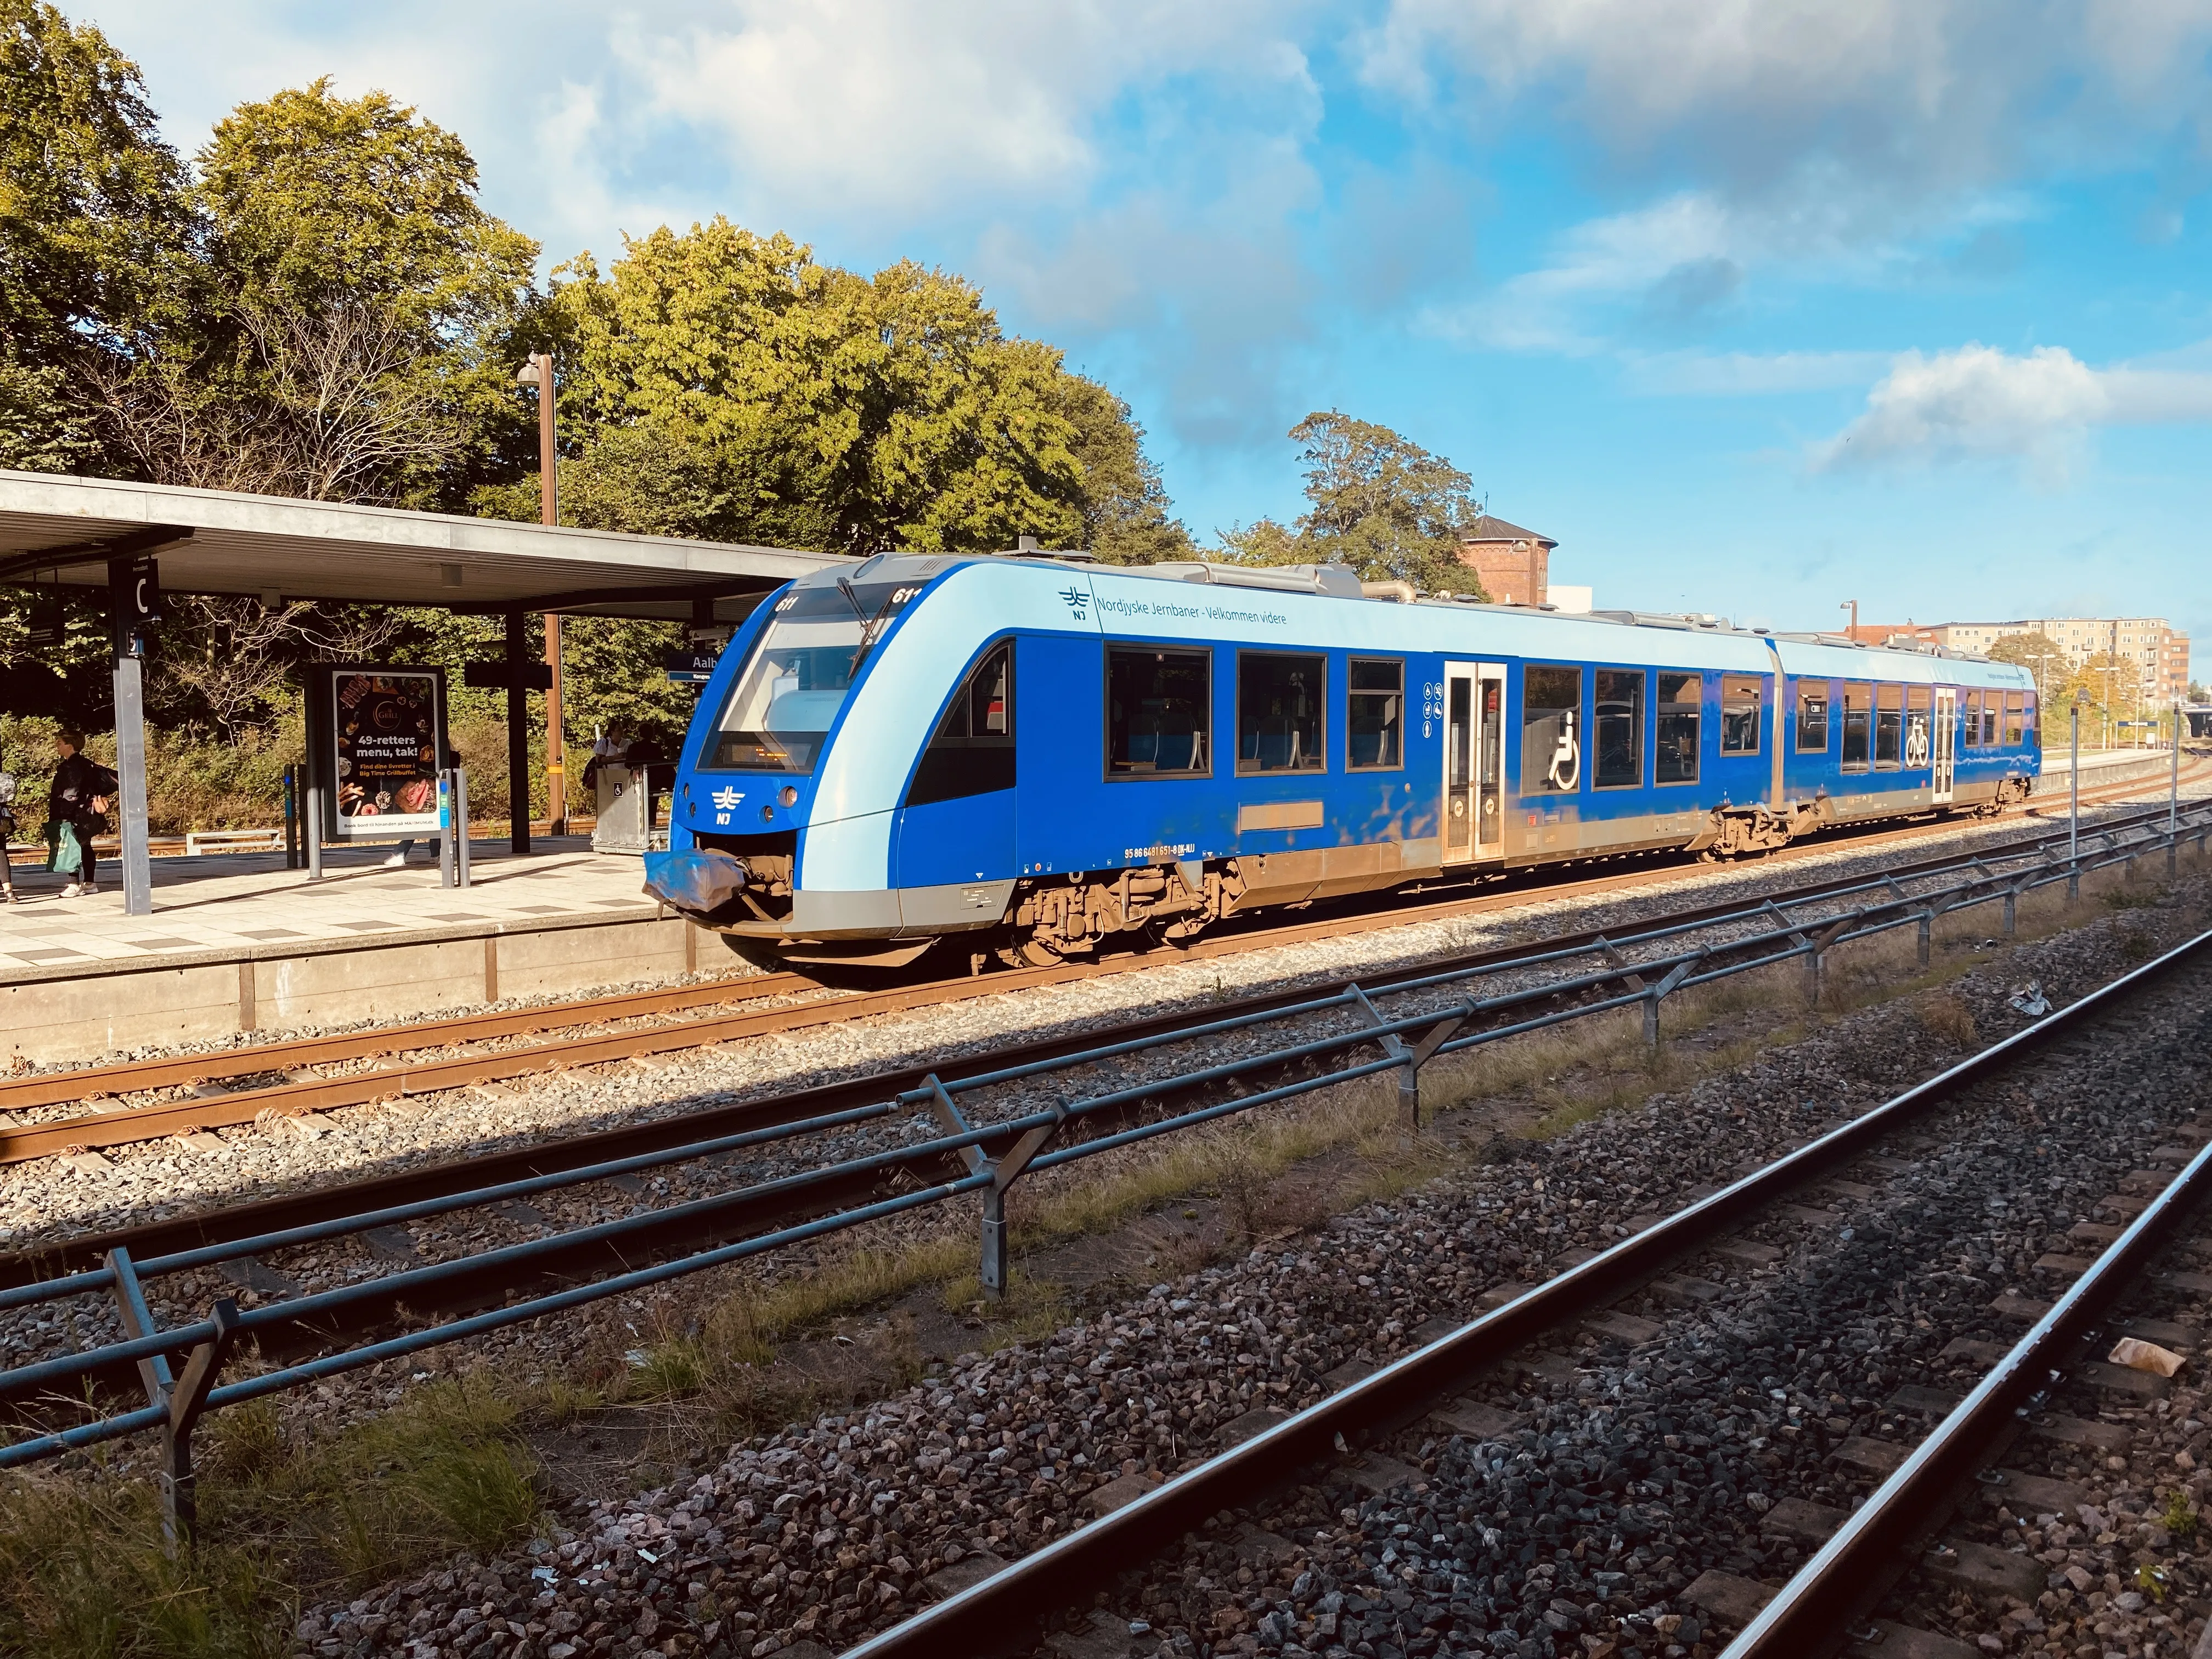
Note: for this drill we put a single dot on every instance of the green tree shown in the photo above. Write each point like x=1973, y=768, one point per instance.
x=1127, y=516
x=724, y=384
x=93, y=226
x=616, y=670
x=2041, y=655
x=348, y=332
x=1379, y=503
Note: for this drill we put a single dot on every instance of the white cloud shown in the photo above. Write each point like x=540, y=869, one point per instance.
x=1894, y=101
x=1671, y=264
x=1980, y=402
x=886, y=105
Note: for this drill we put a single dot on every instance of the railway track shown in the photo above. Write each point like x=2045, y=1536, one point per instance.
x=1691, y=1440
x=656, y=1137
x=323, y=1073
x=473, y=1292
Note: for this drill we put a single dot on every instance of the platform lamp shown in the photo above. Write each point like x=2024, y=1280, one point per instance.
x=538, y=373
x=1851, y=605
x=2074, y=798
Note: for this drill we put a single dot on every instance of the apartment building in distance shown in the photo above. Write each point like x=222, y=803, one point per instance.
x=2162, y=653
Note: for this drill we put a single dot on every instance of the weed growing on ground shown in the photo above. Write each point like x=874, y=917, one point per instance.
x=1030, y=1310
x=83, y=1570
x=2180, y=1519
x=1951, y=1020
x=444, y=1470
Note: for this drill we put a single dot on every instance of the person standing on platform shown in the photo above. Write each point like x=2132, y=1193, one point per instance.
x=76, y=809
x=399, y=859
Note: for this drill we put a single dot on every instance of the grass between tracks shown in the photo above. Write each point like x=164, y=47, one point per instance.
x=83, y=1574
x=289, y=1511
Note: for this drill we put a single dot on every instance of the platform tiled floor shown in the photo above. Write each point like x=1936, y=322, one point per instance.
x=239, y=902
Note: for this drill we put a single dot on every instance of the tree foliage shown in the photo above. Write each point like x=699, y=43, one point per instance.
x=346, y=329
x=93, y=227
x=317, y=304
x=724, y=384
x=1378, y=502
x=2042, y=656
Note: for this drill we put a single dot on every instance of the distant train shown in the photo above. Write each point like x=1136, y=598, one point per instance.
x=1041, y=755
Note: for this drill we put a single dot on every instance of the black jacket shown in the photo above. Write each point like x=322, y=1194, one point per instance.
x=76, y=781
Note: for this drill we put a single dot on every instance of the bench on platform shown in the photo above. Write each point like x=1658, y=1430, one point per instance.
x=233, y=841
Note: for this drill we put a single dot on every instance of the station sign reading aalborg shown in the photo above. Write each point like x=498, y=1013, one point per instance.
x=376, y=739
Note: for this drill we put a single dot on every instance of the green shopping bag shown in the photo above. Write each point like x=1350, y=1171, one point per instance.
x=64, y=853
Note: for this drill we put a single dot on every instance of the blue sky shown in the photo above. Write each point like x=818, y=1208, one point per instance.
x=1756, y=305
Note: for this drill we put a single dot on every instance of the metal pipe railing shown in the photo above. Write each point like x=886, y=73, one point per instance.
x=1029, y=1134
x=1069, y=1569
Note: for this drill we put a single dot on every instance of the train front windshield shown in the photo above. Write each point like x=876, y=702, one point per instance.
x=787, y=695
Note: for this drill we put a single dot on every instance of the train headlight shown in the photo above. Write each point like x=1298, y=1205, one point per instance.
x=788, y=795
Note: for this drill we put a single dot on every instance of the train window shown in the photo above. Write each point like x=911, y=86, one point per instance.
x=2027, y=720
x=973, y=751
x=1888, y=727
x=1812, y=717
x=1159, y=712
x=787, y=696
x=1992, y=711
x=1916, y=704
x=1969, y=707
x=1376, y=709
x=1278, y=726
x=1740, y=714
x=2013, y=725
x=1619, y=728
x=1551, y=732
x=1680, y=698
x=1859, y=730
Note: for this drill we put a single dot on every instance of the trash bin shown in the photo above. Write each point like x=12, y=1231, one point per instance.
x=625, y=807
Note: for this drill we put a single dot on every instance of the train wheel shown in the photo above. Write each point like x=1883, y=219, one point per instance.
x=1030, y=953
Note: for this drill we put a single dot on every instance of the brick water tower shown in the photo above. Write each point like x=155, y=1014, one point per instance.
x=1514, y=564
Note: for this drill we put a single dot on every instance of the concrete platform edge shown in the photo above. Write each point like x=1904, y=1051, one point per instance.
x=289, y=950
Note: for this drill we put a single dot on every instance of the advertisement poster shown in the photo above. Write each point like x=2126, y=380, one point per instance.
x=383, y=729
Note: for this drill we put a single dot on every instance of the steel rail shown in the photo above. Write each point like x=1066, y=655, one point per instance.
x=1001, y=1611
x=1852, y=1573
x=360, y=1221
x=55, y=1444
x=295, y=1096
x=301, y=1315
x=54, y=1088
x=261, y=1219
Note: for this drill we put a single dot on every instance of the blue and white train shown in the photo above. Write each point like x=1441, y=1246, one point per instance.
x=1042, y=754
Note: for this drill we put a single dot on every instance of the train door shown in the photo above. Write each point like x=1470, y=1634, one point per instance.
x=1474, y=761
x=1942, y=751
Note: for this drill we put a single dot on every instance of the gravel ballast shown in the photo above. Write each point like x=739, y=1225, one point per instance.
x=1630, y=1474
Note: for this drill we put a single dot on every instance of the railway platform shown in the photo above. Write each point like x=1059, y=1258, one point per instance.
x=237, y=943
x=2104, y=766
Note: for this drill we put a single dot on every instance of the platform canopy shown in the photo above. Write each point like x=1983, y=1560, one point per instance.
x=59, y=529
x=79, y=533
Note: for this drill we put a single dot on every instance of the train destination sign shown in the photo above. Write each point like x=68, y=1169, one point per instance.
x=381, y=737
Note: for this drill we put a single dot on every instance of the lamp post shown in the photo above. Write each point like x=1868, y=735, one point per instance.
x=2173, y=794
x=2074, y=803
x=538, y=373
x=1851, y=605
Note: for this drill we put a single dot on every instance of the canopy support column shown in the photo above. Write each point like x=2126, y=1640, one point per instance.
x=130, y=584
x=518, y=737
x=130, y=776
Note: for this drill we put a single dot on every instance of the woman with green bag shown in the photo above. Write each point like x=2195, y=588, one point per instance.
x=76, y=809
